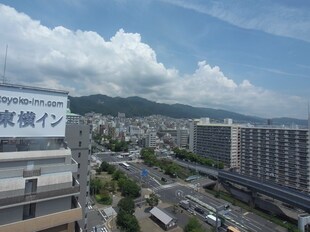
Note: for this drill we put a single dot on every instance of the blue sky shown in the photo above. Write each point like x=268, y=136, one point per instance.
x=251, y=56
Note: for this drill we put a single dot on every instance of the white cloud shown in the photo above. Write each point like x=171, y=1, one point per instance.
x=85, y=63
x=268, y=16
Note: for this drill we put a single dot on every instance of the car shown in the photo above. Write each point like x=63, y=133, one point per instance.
x=164, y=179
x=199, y=210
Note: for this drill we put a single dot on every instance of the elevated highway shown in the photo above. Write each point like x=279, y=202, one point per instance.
x=284, y=194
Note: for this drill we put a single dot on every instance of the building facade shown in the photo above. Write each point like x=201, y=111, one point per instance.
x=220, y=142
x=37, y=188
x=182, y=137
x=150, y=140
x=78, y=137
x=278, y=155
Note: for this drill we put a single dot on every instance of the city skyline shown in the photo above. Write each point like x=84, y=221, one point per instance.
x=252, y=58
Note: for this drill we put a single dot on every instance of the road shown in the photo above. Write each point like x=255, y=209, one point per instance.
x=173, y=192
x=249, y=221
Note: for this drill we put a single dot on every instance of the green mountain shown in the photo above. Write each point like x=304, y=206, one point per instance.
x=137, y=106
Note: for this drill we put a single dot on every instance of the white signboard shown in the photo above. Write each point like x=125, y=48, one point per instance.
x=30, y=112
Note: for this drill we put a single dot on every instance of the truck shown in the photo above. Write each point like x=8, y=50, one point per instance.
x=184, y=204
x=212, y=220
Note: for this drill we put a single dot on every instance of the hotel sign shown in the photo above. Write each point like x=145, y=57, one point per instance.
x=30, y=112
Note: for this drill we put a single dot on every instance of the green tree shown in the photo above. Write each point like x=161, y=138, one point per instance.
x=104, y=198
x=118, y=174
x=130, y=188
x=152, y=200
x=95, y=185
x=126, y=204
x=104, y=166
x=111, y=169
x=127, y=222
x=194, y=226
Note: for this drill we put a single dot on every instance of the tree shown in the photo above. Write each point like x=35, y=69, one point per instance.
x=95, y=185
x=194, y=226
x=118, y=174
x=130, y=188
x=111, y=169
x=126, y=204
x=104, y=166
x=152, y=200
x=127, y=222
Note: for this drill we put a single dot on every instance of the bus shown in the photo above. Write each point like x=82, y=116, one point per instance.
x=125, y=165
x=232, y=229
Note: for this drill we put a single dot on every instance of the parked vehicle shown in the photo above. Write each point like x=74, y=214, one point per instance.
x=212, y=220
x=184, y=204
x=199, y=210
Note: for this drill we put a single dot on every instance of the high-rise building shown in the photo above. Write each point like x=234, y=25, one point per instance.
x=219, y=142
x=182, y=137
x=278, y=155
x=150, y=140
x=78, y=137
x=37, y=188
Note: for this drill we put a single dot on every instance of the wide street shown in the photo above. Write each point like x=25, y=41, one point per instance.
x=173, y=192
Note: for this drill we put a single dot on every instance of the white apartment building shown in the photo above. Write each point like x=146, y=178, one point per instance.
x=150, y=140
x=182, y=137
x=278, y=155
x=219, y=142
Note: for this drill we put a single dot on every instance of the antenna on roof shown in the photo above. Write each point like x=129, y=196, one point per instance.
x=4, y=67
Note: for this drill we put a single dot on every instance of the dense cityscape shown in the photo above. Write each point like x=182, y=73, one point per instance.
x=98, y=172
x=154, y=115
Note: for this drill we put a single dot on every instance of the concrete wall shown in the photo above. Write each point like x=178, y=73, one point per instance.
x=53, y=206
x=76, y=133
x=10, y=215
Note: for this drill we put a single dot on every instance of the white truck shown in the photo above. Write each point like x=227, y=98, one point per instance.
x=212, y=220
x=184, y=204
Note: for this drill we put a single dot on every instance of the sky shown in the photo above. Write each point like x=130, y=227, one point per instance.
x=246, y=56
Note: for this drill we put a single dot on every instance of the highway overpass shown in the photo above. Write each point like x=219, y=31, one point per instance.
x=284, y=194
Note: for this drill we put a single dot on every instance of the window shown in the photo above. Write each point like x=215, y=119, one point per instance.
x=79, y=165
x=30, y=186
x=79, y=154
x=29, y=211
x=80, y=143
x=80, y=133
x=78, y=176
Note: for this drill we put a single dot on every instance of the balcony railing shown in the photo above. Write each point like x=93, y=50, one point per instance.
x=35, y=196
x=30, y=173
x=47, y=221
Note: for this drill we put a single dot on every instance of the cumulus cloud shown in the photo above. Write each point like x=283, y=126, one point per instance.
x=85, y=63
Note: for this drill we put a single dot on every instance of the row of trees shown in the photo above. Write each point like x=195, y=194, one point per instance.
x=183, y=154
x=125, y=218
x=126, y=186
x=150, y=159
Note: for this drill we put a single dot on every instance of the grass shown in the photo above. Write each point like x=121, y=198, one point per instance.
x=104, y=199
x=233, y=201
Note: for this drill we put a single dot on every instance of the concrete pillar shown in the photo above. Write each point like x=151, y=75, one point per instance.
x=303, y=220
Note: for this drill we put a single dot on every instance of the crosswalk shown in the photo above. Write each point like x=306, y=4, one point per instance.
x=167, y=186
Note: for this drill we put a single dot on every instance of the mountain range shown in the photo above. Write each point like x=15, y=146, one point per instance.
x=137, y=106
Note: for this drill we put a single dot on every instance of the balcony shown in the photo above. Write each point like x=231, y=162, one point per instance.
x=66, y=217
x=39, y=196
x=30, y=173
